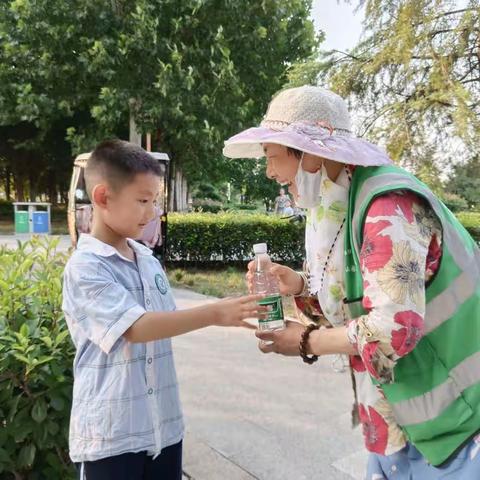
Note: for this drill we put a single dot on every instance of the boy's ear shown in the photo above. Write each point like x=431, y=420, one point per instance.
x=99, y=195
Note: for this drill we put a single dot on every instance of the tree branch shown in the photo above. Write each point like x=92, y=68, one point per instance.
x=471, y=80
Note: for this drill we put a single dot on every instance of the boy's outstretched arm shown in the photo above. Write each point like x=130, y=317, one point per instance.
x=230, y=312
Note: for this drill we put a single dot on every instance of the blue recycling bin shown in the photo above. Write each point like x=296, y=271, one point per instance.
x=41, y=222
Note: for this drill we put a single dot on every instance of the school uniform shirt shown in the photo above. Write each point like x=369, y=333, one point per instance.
x=125, y=395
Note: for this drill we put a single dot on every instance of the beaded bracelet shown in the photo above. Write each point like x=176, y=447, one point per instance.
x=303, y=344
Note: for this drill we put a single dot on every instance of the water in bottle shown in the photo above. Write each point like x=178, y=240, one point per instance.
x=265, y=283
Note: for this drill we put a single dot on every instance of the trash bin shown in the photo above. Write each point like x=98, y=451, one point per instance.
x=21, y=222
x=40, y=222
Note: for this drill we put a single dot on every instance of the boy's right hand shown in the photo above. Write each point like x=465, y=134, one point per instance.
x=289, y=281
x=232, y=312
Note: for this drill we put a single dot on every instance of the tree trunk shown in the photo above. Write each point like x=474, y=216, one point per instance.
x=178, y=194
x=32, y=183
x=19, y=190
x=178, y=190
x=8, y=175
x=171, y=189
x=134, y=136
x=184, y=195
x=52, y=187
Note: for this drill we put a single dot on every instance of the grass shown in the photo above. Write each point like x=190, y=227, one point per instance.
x=221, y=283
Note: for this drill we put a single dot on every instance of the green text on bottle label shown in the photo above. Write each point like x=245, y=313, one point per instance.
x=275, y=308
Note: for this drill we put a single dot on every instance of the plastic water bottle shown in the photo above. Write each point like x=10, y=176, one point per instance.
x=265, y=283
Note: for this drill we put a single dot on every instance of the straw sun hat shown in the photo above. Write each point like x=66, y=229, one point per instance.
x=310, y=119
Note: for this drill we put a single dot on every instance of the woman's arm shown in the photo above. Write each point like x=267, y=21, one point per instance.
x=400, y=251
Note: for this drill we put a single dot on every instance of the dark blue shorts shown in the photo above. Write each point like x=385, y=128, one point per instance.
x=135, y=466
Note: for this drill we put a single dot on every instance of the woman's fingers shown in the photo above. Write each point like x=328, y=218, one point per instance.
x=266, y=347
x=277, y=269
x=265, y=335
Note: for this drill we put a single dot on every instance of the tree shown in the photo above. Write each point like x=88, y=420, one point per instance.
x=414, y=76
x=465, y=181
x=190, y=72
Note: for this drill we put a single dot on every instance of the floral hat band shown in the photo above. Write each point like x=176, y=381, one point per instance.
x=279, y=125
x=312, y=120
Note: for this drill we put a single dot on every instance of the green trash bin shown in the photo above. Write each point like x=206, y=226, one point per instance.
x=21, y=222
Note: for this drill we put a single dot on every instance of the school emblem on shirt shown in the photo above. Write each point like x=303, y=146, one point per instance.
x=161, y=284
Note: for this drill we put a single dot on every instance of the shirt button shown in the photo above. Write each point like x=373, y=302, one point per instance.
x=150, y=360
x=148, y=301
x=150, y=391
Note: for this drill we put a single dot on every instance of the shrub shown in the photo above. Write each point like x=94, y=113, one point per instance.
x=454, y=202
x=206, y=205
x=471, y=221
x=228, y=237
x=244, y=206
x=35, y=364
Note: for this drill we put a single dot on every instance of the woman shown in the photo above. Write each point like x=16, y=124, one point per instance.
x=396, y=276
x=281, y=202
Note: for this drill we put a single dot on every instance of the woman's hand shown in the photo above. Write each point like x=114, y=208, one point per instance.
x=289, y=281
x=285, y=341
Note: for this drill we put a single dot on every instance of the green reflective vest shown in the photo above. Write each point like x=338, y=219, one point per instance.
x=435, y=394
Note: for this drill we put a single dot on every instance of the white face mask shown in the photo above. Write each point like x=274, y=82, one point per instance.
x=308, y=186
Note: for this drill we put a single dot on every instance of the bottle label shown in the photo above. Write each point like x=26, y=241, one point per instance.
x=275, y=308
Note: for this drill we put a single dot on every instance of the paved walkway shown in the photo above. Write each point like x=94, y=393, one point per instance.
x=10, y=241
x=253, y=416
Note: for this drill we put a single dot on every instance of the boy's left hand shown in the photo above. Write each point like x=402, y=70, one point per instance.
x=284, y=342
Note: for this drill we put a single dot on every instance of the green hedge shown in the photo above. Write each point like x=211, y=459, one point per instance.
x=471, y=221
x=203, y=238
x=36, y=357
x=228, y=237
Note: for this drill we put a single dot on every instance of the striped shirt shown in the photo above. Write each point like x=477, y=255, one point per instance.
x=125, y=395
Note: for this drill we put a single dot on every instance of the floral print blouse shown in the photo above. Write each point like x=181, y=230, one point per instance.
x=400, y=253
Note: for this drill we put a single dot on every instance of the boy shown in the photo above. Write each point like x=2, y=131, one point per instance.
x=126, y=420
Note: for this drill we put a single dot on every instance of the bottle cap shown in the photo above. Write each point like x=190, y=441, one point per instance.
x=260, y=248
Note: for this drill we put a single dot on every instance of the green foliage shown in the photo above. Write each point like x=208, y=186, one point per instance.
x=36, y=356
x=465, y=181
x=207, y=205
x=207, y=190
x=413, y=78
x=192, y=73
x=454, y=202
x=471, y=221
x=244, y=206
x=228, y=237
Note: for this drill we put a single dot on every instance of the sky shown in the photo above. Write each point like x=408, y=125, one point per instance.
x=341, y=25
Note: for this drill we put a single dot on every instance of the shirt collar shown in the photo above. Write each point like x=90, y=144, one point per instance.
x=87, y=243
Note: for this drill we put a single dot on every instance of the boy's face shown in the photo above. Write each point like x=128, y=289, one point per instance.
x=127, y=210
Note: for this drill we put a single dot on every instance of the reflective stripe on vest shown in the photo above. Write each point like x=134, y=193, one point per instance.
x=457, y=246
x=431, y=404
x=440, y=308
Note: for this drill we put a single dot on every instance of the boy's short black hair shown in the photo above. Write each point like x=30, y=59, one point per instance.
x=118, y=162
